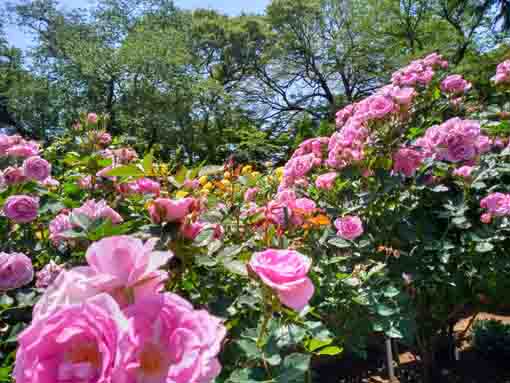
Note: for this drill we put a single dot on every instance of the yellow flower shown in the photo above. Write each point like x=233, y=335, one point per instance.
x=247, y=169
x=204, y=192
x=226, y=183
x=255, y=174
x=203, y=180
x=181, y=194
x=227, y=175
x=208, y=186
x=279, y=172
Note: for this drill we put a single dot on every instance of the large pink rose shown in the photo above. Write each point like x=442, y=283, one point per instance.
x=285, y=271
x=16, y=270
x=36, y=168
x=167, y=210
x=126, y=268
x=92, y=118
x=78, y=343
x=58, y=226
x=21, y=208
x=173, y=343
x=349, y=227
x=148, y=186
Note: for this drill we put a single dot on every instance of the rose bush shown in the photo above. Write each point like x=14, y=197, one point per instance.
x=396, y=224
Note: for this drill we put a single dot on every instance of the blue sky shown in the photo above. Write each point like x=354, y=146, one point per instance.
x=232, y=7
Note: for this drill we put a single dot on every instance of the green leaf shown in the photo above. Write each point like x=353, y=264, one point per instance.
x=294, y=368
x=339, y=242
x=484, y=247
x=250, y=348
x=81, y=220
x=394, y=333
x=125, y=171
x=384, y=310
x=147, y=162
x=315, y=344
x=248, y=375
x=330, y=350
x=235, y=266
x=391, y=291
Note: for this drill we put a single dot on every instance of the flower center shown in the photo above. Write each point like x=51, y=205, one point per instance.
x=152, y=361
x=86, y=352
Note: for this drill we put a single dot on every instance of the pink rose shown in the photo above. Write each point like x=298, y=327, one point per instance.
x=326, y=181
x=502, y=73
x=48, y=274
x=497, y=204
x=191, y=230
x=36, y=168
x=167, y=210
x=380, y=106
x=304, y=206
x=23, y=150
x=104, y=138
x=407, y=161
x=455, y=84
x=16, y=271
x=191, y=184
x=50, y=182
x=486, y=218
x=92, y=118
x=126, y=268
x=97, y=210
x=59, y=225
x=85, y=183
x=349, y=227
x=173, y=343
x=463, y=171
x=21, y=208
x=13, y=175
x=250, y=194
x=285, y=271
x=78, y=343
x=403, y=96
x=148, y=186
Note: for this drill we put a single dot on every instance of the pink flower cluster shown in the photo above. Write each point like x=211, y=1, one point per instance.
x=286, y=273
x=16, y=271
x=286, y=209
x=455, y=140
x=502, y=73
x=17, y=146
x=419, y=72
x=34, y=168
x=91, y=209
x=140, y=186
x=109, y=322
x=326, y=181
x=407, y=160
x=496, y=204
x=120, y=156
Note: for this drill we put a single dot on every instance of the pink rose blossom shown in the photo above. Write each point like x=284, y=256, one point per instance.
x=326, y=181
x=97, y=210
x=250, y=194
x=78, y=343
x=455, y=84
x=486, y=218
x=148, y=186
x=502, y=73
x=285, y=271
x=167, y=210
x=463, y=171
x=50, y=182
x=380, y=107
x=21, y=208
x=497, y=204
x=92, y=118
x=48, y=274
x=23, y=150
x=173, y=343
x=407, y=161
x=14, y=175
x=59, y=225
x=349, y=227
x=85, y=183
x=16, y=271
x=36, y=168
x=191, y=230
